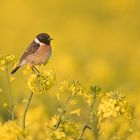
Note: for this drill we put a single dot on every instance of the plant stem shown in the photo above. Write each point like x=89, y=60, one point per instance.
x=63, y=111
x=59, y=119
x=86, y=125
x=25, y=112
x=93, y=111
x=95, y=118
x=11, y=103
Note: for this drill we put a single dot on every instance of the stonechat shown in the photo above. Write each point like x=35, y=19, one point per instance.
x=38, y=52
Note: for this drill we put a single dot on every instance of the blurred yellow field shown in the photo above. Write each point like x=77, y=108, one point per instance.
x=89, y=89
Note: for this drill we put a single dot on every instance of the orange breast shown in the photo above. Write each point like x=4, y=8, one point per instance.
x=40, y=56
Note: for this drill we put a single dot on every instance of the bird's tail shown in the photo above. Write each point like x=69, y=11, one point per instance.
x=15, y=69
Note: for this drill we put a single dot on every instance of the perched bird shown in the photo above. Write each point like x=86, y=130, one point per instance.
x=38, y=52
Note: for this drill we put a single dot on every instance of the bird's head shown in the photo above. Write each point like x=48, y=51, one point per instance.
x=44, y=38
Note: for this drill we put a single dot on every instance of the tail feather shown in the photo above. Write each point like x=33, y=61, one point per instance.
x=15, y=69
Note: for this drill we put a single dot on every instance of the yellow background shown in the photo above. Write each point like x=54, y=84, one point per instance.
x=95, y=41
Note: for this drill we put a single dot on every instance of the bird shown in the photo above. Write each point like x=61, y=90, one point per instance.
x=37, y=53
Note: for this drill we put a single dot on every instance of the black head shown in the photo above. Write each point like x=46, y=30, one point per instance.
x=44, y=38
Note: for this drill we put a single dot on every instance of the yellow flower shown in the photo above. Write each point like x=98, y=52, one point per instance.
x=68, y=130
x=6, y=61
x=77, y=112
x=41, y=82
x=12, y=78
x=59, y=134
x=72, y=86
x=73, y=102
x=10, y=131
x=88, y=97
x=111, y=104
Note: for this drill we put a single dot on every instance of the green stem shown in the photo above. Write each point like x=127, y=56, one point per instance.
x=11, y=103
x=25, y=112
x=63, y=112
x=86, y=125
x=95, y=118
x=93, y=111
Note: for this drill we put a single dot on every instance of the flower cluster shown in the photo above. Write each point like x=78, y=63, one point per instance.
x=10, y=131
x=72, y=86
x=111, y=104
x=6, y=61
x=41, y=82
x=68, y=130
x=90, y=94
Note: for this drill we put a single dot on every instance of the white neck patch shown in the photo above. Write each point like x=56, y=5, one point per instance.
x=38, y=42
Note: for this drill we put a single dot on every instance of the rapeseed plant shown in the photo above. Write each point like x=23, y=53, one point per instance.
x=6, y=62
x=112, y=104
x=41, y=82
x=103, y=107
x=73, y=88
x=68, y=130
x=10, y=131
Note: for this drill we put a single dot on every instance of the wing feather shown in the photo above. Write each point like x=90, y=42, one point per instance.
x=33, y=47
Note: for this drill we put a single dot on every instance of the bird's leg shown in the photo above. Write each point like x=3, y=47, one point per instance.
x=35, y=69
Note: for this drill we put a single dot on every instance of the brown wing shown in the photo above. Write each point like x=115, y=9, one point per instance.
x=33, y=47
